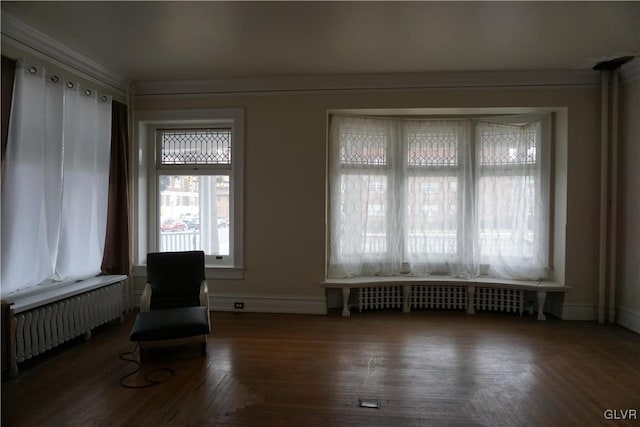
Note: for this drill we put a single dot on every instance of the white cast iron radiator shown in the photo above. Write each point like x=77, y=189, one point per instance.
x=380, y=297
x=46, y=326
x=499, y=299
x=421, y=296
x=439, y=297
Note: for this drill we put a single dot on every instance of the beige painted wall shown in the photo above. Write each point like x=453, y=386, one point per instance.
x=285, y=175
x=628, y=291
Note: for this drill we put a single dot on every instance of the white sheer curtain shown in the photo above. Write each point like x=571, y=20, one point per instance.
x=512, y=223
x=55, y=181
x=441, y=214
x=363, y=194
x=420, y=197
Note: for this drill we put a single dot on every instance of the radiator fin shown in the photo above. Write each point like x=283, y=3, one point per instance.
x=499, y=299
x=438, y=297
x=380, y=297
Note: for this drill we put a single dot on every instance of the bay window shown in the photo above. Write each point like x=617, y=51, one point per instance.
x=462, y=197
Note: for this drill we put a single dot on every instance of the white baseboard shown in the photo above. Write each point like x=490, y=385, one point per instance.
x=253, y=303
x=629, y=319
x=587, y=312
x=290, y=304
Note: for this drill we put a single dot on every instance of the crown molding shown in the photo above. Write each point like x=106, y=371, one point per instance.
x=630, y=71
x=19, y=35
x=368, y=82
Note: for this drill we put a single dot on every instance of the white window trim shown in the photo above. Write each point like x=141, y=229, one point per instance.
x=144, y=191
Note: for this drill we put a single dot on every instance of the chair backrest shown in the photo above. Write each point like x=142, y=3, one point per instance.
x=175, y=278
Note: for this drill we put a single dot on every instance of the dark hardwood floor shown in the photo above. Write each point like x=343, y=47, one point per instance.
x=425, y=368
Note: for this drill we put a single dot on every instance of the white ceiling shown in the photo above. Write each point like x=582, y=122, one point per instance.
x=145, y=41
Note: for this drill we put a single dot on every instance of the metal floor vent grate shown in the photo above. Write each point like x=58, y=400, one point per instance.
x=371, y=404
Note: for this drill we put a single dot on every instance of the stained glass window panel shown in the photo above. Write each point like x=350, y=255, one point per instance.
x=196, y=147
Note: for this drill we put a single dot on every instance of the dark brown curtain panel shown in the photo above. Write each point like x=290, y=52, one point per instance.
x=117, y=256
x=8, y=71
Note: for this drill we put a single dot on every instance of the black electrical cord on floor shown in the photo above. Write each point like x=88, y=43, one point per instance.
x=149, y=377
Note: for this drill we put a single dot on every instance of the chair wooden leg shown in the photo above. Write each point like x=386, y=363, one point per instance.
x=204, y=348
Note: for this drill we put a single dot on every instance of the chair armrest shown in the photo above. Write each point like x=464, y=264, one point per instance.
x=145, y=300
x=204, y=294
x=204, y=299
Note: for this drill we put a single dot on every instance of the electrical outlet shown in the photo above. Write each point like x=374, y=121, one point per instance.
x=238, y=305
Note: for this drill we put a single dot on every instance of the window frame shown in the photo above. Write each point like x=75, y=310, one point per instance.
x=147, y=174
